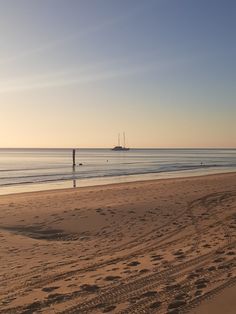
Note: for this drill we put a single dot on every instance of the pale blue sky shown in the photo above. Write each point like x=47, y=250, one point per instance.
x=75, y=73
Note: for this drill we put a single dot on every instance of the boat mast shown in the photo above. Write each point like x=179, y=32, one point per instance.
x=124, y=138
x=119, y=139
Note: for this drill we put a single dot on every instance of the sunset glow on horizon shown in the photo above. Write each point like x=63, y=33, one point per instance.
x=77, y=73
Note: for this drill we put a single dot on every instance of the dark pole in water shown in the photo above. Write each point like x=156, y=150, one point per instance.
x=73, y=154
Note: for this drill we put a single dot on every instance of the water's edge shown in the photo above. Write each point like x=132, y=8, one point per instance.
x=76, y=183
x=23, y=170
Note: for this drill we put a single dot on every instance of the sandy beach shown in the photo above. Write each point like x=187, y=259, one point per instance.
x=163, y=246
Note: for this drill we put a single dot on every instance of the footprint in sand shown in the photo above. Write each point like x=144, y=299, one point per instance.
x=49, y=289
x=134, y=263
x=89, y=288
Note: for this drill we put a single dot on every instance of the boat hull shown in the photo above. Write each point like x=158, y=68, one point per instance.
x=120, y=148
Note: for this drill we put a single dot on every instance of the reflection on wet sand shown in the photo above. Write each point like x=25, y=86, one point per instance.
x=74, y=179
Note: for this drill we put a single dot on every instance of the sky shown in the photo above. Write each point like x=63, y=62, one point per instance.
x=75, y=73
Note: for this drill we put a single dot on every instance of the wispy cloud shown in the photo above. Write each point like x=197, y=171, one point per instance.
x=47, y=46
x=89, y=74
x=63, y=79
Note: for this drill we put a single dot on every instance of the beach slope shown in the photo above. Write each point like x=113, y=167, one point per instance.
x=163, y=246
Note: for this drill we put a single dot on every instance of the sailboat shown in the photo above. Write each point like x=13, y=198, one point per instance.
x=119, y=147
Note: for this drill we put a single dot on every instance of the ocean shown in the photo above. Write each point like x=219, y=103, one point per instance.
x=24, y=170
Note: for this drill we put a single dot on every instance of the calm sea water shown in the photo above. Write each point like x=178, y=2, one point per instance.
x=53, y=167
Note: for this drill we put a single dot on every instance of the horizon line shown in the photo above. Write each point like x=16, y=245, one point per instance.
x=131, y=148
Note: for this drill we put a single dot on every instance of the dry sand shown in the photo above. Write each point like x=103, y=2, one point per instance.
x=164, y=246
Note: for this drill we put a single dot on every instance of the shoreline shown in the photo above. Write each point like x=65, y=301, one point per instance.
x=159, y=244
x=81, y=183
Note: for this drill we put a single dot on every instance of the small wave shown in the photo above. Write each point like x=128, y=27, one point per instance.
x=20, y=180
x=34, y=169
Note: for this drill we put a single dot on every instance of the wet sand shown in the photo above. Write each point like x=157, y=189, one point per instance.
x=164, y=246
